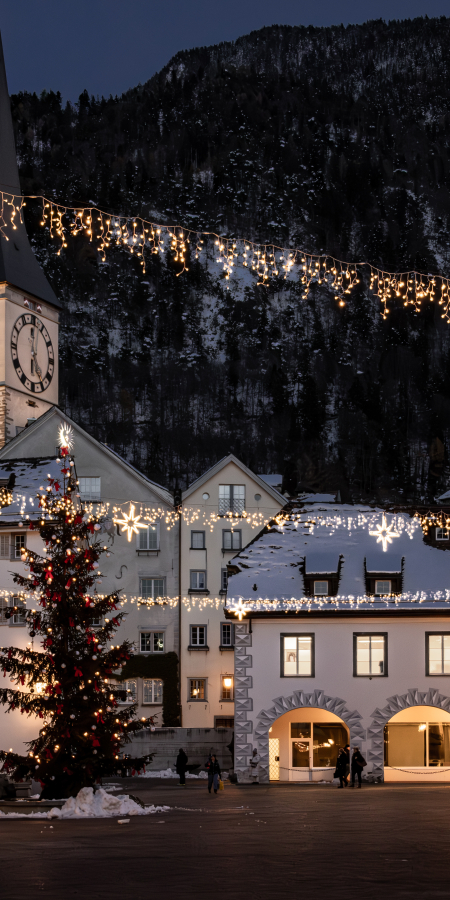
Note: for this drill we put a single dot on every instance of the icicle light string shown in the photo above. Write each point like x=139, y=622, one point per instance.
x=267, y=261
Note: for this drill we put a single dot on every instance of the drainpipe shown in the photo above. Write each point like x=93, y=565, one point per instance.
x=180, y=510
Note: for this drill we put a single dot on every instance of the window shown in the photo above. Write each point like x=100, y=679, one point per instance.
x=320, y=588
x=382, y=587
x=231, y=498
x=226, y=634
x=370, y=654
x=223, y=581
x=152, y=642
x=152, y=588
x=316, y=745
x=223, y=721
x=127, y=692
x=297, y=655
x=437, y=654
x=3, y=608
x=197, y=540
x=198, y=580
x=442, y=534
x=198, y=636
x=231, y=540
x=417, y=744
x=4, y=546
x=152, y=690
x=18, y=618
x=19, y=543
x=197, y=689
x=148, y=538
x=226, y=687
x=89, y=488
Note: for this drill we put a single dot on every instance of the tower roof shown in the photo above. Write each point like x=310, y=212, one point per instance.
x=18, y=264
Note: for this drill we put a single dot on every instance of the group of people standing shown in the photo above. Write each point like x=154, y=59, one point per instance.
x=212, y=767
x=344, y=766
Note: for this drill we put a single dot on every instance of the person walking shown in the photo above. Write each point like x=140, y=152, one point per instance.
x=214, y=774
x=181, y=766
x=342, y=764
x=358, y=763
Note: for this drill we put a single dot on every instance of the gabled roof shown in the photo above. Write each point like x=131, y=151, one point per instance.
x=248, y=472
x=17, y=442
x=18, y=264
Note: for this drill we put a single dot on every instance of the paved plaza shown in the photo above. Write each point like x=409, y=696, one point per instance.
x=246, y=843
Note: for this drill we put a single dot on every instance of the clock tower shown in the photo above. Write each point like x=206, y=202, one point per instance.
x=29, y=309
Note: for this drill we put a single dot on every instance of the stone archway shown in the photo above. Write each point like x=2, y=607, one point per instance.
x=318, y=699
x=395, y=704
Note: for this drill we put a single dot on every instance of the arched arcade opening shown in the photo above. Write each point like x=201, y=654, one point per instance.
x=417, y=745
x=304, y=744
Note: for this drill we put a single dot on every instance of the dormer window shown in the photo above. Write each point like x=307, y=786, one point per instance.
x=383, y=587
x=442, y=534
x=320, y=588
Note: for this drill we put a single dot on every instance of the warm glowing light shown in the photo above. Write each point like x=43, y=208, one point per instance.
x=384, y=533
x=130, y=523
x=66, y=437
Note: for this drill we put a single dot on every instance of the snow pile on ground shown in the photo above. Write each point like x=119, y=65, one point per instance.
x=90, y=805
x=169, y=773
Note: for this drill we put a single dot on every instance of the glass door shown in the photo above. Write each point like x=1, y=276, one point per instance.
x=301, y=745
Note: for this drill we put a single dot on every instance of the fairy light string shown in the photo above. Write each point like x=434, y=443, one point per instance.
x=141, y=238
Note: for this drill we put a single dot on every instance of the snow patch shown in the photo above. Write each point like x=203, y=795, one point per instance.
x=90, y=805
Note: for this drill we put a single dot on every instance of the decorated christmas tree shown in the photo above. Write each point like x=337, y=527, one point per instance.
x=65, y=685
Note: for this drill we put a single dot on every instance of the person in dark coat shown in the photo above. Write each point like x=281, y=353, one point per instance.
x=214, y=774
x=358, y=763
x=342, y=765
x=181, y=766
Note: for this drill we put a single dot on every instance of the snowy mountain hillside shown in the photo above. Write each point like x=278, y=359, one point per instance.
x=332, y=139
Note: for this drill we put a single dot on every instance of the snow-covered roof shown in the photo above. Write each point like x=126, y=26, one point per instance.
x=30, y=475
x=445, y=496
x=269, y=575
x=321, y=562
x=318, y=498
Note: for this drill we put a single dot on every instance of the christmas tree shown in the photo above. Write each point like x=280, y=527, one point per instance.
x=66, y=684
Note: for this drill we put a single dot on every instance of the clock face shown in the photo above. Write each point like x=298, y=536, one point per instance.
x=32, y=353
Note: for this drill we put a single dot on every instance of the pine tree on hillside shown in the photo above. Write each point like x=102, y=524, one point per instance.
x=66, y=683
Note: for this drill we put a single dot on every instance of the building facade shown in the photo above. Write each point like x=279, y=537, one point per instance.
x=342, y=624
x=221, y=512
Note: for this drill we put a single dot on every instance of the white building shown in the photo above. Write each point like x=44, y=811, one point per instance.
x=344, y=635
x=222, y=511
x=145, y=567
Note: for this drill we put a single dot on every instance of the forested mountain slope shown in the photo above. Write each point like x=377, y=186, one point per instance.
x=332, y=139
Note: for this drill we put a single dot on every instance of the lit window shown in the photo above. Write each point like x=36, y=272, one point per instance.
x=231, y=498
x=370, y=654
x=147, y=539
x=198, y=580
x=297, y=654
x=198, y=636
x=438, y=654
x=19, y=544
x=382, y=587
x=231, y=540
x=197, y=540
x=152, y=690
x=152, y=588
x=152, y=642
x=227, y=687
x=226, y=634
x=127, y=692
x=197, y=689
x=442, y=534
x=320, y=588
x=89, y=488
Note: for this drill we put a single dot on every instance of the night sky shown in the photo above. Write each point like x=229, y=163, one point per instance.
x=107, y=46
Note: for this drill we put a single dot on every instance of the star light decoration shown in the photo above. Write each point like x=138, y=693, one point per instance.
x=131, y=523
x=66, y=437
x=384, y=533
x=239, y=609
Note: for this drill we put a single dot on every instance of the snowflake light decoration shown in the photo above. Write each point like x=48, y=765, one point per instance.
x=384, y=533
x=239, y=609
x=130, y=523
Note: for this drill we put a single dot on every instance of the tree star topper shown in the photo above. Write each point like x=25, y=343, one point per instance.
x=66, y=437
x=384, y=533
x=130, y=523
